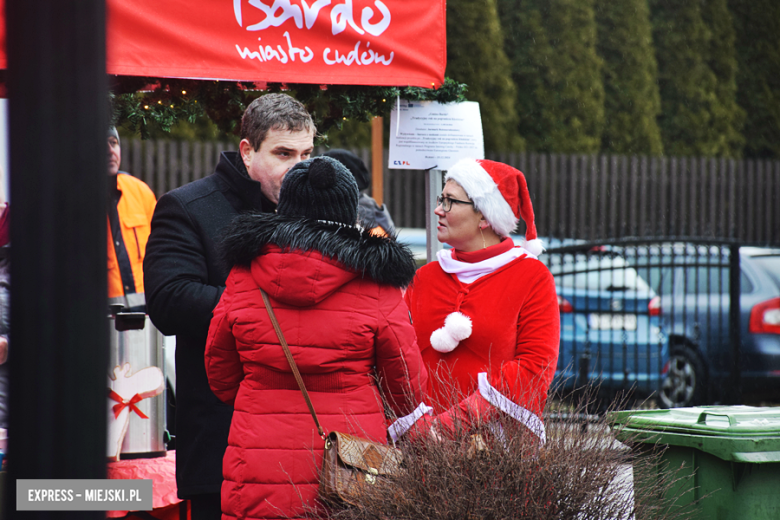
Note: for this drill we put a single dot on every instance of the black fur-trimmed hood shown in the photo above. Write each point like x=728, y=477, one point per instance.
x=381, y=259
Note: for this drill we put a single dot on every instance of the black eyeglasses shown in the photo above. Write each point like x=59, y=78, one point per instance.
x=446, y=202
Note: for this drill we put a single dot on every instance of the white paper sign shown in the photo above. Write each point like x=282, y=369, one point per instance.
x=428, y=134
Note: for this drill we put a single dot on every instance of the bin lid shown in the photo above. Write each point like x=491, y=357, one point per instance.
x=733, y=433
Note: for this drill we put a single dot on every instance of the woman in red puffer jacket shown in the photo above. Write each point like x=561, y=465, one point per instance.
x=336, y=291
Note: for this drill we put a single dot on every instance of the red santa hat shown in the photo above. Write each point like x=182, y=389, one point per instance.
x=501, y=194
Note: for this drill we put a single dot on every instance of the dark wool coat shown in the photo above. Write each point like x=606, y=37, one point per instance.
x=337, y=295
x=184, y=279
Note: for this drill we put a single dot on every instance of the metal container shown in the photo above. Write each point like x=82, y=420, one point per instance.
x=136, y=341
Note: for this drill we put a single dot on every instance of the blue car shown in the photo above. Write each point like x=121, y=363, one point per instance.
x=693, y=284
x=610, y=324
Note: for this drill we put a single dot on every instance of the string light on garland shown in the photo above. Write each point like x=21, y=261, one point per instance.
x=133, y=101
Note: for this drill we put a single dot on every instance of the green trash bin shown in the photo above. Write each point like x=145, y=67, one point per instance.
x=730, y=453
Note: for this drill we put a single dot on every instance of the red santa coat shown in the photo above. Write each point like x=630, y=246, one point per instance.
x=514, y=339
x=342, y=329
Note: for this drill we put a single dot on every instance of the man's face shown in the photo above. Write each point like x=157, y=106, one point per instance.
x=114, y=155
x=279, y=152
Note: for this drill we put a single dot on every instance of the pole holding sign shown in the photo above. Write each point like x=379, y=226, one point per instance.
x=433, y=186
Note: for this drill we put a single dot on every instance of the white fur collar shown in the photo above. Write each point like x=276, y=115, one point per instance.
x=468, y=273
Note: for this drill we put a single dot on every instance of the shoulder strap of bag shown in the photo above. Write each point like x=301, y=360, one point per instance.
x=291, y=361
x=122, y=257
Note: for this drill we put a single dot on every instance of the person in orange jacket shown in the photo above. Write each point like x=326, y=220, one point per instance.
x=130, y=207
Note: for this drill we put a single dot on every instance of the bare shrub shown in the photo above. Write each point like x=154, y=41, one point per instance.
x=579, y=473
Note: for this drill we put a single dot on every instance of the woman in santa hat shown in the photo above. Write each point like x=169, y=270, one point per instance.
x=486, y=313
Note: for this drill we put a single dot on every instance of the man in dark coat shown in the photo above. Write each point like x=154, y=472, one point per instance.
x=184, y=277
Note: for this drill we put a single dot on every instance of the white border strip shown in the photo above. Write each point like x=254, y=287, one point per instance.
x=402, y=424
x=500, y=401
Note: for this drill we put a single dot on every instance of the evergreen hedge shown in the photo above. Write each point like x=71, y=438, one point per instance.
x=727, y=116
x=475, y=56
x=757, y=24
x=552, y=47
x=631, y=99
x=686, y=82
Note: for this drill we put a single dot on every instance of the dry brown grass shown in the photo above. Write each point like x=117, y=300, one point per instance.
x=580, y=473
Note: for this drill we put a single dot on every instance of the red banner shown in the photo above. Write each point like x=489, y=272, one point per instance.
x=355, y=42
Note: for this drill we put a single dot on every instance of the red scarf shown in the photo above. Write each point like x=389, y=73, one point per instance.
x=472, y=257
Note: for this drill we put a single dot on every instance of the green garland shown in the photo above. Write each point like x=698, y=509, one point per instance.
x=138, y=103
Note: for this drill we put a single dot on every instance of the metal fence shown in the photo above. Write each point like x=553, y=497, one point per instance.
x=667, y=319
x=165, y=165
x=610, y=197
x=575, y=196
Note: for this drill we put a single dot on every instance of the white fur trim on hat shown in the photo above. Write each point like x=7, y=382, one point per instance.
x=457, y=327
x=483, y=191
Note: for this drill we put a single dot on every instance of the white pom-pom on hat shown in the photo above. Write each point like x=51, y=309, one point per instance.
x=535, y=246
x=457, y=327
x=500, y=192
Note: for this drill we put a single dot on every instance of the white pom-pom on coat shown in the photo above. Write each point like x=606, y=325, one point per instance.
x=457, y=327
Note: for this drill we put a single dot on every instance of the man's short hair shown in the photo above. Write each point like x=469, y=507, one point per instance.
x=277, y=112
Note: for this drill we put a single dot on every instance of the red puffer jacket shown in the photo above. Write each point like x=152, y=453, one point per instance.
x=340, y=308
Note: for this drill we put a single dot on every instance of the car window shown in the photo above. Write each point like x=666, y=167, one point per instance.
x=706, y=280
x=698, y=280
x=657, y=277
x=596, y=273
x=770, y=265
x=745, y=285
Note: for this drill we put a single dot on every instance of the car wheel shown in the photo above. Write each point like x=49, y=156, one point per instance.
x=684, y=383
